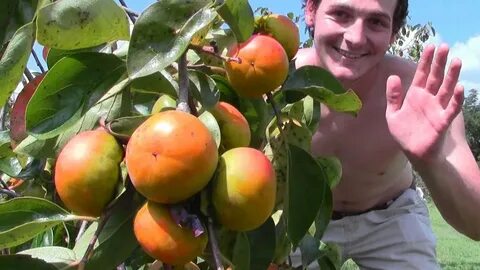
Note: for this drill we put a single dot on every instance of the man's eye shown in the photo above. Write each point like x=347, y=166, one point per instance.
x=378, y=23
x=340, y=14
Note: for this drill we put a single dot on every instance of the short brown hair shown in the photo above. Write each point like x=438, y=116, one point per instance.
x=399, y=15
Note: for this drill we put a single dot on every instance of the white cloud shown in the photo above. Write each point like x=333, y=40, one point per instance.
x=469, y=53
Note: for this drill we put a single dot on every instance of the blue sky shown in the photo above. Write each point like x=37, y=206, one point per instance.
x=457, y=23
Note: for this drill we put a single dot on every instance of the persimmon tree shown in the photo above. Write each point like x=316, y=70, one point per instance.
x=184, y=193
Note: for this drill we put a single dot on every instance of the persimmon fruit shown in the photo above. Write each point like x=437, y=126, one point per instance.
x=262, y=66
x=282, y=29
x=171, y=156
x=87, y=171
x=163, y=239
x=234, y=127
x=244, y=190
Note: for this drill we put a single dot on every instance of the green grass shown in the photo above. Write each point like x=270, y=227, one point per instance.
x=454, y=250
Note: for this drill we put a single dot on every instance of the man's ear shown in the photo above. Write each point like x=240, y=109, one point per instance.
x=310, y=10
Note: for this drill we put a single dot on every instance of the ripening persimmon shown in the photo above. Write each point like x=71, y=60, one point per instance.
x=234, y=127
x=163, y=239
x=282, y=29
x=263, y=66
x=171, y=156
x=244, y=191
x=87, y=171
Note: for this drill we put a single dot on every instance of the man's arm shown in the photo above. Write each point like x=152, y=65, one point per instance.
x=453, y=179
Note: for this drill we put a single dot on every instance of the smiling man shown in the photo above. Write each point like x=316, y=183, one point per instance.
x=411, y=119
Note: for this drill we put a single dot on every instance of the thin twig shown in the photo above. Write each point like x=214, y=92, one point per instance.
x=214, y=245
x=83, y=226
x=28, y=74
x=4, y=185
x=183, y=82
x=130, y=15
x=277, y=112
x=89, y=252
x=211, y=51
x=37, y=60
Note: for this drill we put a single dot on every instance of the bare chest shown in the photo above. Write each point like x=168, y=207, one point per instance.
x=363, y=143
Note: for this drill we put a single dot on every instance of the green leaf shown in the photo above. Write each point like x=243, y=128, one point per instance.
x=124, y=127
x=332, y=168
x=44, y=239
x=238, y=15
x=14, y=14
x=262, y=245
x=69, y=90
x=23, y=218
x=116, y=241
x=311, y=113
x=163, y=32
x=211, y=123
x=306, y=189
x=57, y=256
x=324, y=214
x=257, y=114
x=158, y=82
x=73, y=24
x=347, y=102
x=323, y=87
x=5, y=145
x=10, y=166
x=14, y=60
x=241, y=252
x=309, y=247
x=204, y=89
x=24, y=262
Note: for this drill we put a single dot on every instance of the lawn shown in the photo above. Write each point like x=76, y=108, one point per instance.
x=454, y=251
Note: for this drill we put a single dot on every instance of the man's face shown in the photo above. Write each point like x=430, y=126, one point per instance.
x=351, y=36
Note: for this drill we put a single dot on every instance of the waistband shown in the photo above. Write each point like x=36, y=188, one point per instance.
x=336, y=215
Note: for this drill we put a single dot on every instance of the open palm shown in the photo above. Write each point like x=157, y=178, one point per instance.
x=419, y=118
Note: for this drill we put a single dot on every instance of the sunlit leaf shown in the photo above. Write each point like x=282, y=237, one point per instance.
x=73, y=24
x=238, y=14
x=163, y=32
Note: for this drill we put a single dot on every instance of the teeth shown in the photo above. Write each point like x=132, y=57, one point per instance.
x=349, y=54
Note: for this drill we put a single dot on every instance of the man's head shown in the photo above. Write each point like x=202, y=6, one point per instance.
x=399, y=16
x=351, y=37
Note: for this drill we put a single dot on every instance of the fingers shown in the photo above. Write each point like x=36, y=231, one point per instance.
x=423, y=68
x=447, y=88
x=455, y=104
x=394, y=94
x=437, y=70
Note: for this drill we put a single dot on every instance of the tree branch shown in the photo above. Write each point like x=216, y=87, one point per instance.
x=28, y=74
x=130, y=13
x=89, y=252
x=183, y=85
x=9, y=193
x=214, y=245
x=37, y=60
x=211, y=50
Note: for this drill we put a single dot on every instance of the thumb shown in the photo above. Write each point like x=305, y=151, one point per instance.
x=394, y=93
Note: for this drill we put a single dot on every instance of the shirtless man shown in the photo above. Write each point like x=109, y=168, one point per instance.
x=411, y=119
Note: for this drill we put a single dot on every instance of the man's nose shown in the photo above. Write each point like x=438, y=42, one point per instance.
x=355, y=33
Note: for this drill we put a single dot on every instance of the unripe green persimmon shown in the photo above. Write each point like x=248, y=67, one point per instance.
x=87, y=172
x=234, y=127
x=244, y=190
x=164, y=102
x=263, y=66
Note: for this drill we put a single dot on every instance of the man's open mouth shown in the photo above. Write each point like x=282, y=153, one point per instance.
x=348, y=54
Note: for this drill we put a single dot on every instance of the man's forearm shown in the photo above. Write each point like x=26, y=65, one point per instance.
x=455, y=189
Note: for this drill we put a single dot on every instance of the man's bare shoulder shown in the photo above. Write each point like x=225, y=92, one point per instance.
x=403, y=68
x=305, y=57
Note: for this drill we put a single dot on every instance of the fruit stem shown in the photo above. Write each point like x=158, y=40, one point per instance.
x=131, y=14
x=278, y=115
x=214, y=245
x=37, y=60
x=89, y=252
x=212, y=50
x=183, y=84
